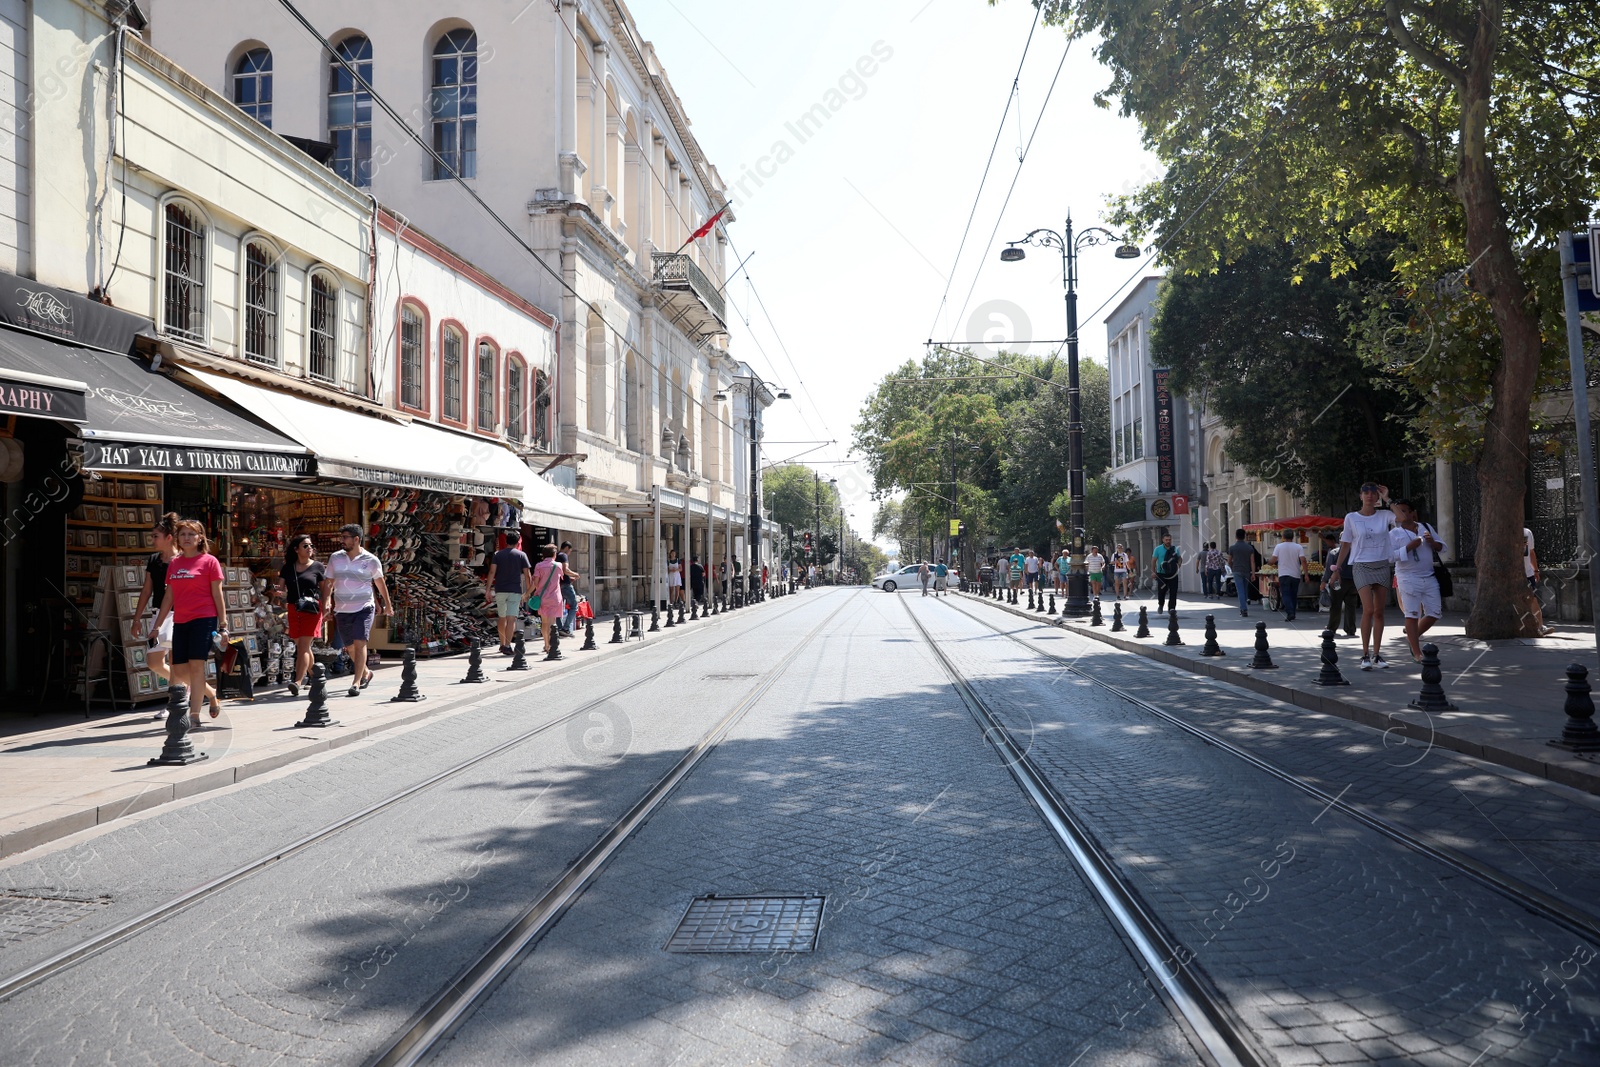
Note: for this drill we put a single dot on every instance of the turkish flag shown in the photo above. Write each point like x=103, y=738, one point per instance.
x=712, y=221
x=1180, y=505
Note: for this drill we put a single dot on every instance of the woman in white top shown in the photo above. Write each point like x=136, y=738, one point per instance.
x=1367, y=563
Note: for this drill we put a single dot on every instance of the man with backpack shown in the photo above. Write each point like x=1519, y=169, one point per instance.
x=1165, y=561
x=940, y=574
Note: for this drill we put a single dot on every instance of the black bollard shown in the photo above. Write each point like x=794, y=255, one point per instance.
x=1030, y=598
x=1172, y=628
x=555, y=644
x=519, y=653
x=409, y=693
x=670, y=623
x=616, y=630
x=1263, y=657
x=474, y=665
x=1095, y=618
x=1212, y=648
x=1013, y=599
x=317, y=711
x=655, y=619
x=588, y=639
x=1053, y=605
x=1432, y=697
x=1330, y=673
x=1144, y=622
x=682, y=619
x=1580, y=733
x=178, y=751
x=1116, y=618
x=694, y=611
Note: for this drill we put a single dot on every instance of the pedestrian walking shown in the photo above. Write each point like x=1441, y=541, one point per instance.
x=300, y=579
x=1530, y=570
x=507, y=586
x=674, y=577
x=199, y=613
x=547, y=591
x=1364, y=552
x=1244, y=559
x=1215, y=563
x=1017, y=561
x=1060, y=567
x=1165, y=561
x=986, y=578
x=1291, y=559
x=1415, y=548
x=352, y=574
x=158, y=642
x=941, y=575
x=1096, y=564
x=569, y=588
x=1342, y=597
x=924, y=575
x=697, y=579
x=1031, y=565
x=1122, y=569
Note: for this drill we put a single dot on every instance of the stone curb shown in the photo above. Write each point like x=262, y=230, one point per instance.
x=1532, y=758
x=61, y=820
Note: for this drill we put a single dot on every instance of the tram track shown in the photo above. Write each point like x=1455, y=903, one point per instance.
x=1189, y=993
x=1508, y=886
x=127, y=929
x=435, y=1023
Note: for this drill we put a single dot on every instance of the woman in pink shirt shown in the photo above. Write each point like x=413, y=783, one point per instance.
x=547, y=586
x=195, y=602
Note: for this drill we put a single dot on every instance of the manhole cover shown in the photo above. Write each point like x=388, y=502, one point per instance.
x=24, y=915
x=749, y=924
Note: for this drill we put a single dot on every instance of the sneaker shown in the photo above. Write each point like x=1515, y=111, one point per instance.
x=506, y=650
x=158, y=716
x=294, y=689
x=353, y=692
x=1366, y=663
x=1379, y=661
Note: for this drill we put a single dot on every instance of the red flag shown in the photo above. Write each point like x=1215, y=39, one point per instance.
x=712, y=221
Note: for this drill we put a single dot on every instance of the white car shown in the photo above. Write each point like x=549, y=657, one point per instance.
x=906, y=578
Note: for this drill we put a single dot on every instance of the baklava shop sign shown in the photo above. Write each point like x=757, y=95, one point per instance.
x=188, y=459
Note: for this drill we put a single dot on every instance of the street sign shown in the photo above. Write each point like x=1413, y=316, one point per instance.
x=955, y=527
x=1586, y=253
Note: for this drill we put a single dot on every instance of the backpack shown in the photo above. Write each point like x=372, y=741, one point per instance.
x=1170, y=562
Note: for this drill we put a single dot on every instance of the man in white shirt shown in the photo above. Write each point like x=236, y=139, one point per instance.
x=1030, y=567
x=352, y=574
x=1415, y=548
x=1290, y=558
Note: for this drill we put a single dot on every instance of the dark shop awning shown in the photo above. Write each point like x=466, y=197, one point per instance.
x=133, y=419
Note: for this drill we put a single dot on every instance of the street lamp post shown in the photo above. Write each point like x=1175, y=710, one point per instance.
x=753, y=521
x=1078, y=578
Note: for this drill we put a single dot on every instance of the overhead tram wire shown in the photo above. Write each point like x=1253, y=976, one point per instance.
x=1001, y=214
x=516, y=238
x=999, y=132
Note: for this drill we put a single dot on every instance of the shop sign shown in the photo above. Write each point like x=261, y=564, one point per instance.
x=190, y=459
x=43, y=401
x=1165, y=480
x=433, y=483
x=66, y=316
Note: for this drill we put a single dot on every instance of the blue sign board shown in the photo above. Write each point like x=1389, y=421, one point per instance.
x=1586, y=253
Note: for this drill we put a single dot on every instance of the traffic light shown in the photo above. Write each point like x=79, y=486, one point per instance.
x=808, y=543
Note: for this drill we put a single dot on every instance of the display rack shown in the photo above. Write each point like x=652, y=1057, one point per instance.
x=108, y=536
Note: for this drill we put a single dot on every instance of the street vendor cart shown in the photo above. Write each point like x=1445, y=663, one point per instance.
x=1267, y=577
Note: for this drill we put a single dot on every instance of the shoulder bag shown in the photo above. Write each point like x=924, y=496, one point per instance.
x=1441, y=574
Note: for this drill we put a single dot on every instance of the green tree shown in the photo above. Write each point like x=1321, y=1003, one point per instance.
x=1267, y=346
x=791, y=493
x=1465, y=128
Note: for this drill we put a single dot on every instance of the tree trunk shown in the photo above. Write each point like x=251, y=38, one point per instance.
x=1499, y=608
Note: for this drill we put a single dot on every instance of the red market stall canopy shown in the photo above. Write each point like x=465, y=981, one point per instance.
x=1299, y=522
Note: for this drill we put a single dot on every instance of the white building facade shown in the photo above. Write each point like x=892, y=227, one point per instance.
x=562, y=121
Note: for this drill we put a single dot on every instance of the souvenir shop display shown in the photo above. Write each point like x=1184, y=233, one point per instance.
x=429, y=546
x=109, y=535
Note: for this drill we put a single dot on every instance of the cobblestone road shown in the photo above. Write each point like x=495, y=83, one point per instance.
x=1335, y=944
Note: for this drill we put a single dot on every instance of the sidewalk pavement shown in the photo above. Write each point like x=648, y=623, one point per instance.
x=1511, y=694
x=61, y=773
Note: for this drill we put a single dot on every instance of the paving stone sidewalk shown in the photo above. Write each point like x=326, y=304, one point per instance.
x=1510, y=694
x=63, y=773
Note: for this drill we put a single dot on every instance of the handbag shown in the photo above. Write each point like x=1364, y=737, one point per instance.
x=307, y=605
x=1441, y=574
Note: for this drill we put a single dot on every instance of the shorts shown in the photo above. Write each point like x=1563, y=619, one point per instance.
x=1420, y=597
x=304, y=623
x=507, y=605
x=1033, y=579
x=938, y=584
x=353, y=626
x=191, y=641
x=1366, y=574
x=1097, y=576
x=1533, y=584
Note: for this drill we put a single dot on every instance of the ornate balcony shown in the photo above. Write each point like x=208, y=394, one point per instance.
x=690, y=296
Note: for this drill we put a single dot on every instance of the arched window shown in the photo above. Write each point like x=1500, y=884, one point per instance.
x=350, y=111
x=183, y=282
x=454, y=103
x=252, y=85
x=541, y=408
x=260, y=304
x=411, y=356
x=516, y=425
x=324, y=363
x=486, y=373
x=450, y=389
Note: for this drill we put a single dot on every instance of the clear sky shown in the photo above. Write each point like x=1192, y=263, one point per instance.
x=854, y=221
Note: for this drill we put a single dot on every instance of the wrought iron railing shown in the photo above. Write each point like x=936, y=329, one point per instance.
x=679, y=272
